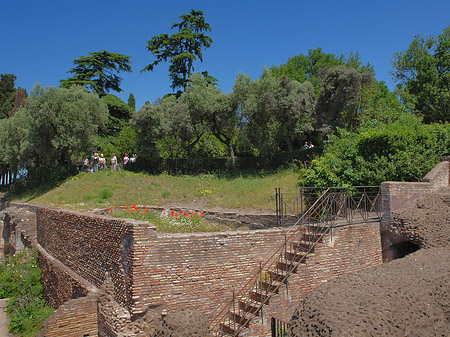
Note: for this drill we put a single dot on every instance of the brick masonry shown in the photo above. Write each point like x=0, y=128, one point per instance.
x=75, y=318
x=346, y=249
x=178, y=271
x=93, y=245
x=396, y=195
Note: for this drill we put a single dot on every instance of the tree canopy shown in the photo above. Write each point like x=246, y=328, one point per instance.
x=54, y=124
x=181, y=49
x=422, y=73
x=405, y=150
x=98, y=71
x=7, y=94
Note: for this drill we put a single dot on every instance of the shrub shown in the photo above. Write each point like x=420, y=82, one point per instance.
x=402, y=151
x=20, y=280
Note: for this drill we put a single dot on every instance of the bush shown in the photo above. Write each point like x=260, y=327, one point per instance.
x=20, y=280
x=403, y=151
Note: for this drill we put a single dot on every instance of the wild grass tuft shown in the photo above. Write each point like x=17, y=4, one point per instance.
x=20, y=281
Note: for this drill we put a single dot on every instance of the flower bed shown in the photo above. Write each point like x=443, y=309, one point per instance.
x=166, y=221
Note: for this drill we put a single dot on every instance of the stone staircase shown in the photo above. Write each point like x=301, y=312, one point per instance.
x=247, y=305
x=334, y=207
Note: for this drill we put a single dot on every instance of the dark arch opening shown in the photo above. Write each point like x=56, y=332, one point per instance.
x=403, y=248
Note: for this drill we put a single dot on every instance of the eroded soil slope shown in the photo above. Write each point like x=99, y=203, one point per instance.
x=405, y=297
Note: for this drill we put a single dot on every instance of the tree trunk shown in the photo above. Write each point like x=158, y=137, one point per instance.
x=289, y=145
x=231, y=151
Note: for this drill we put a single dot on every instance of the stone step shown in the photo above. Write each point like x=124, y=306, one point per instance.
x=302, y=246
x=312, y=237
x=258, y=297
x=279, y=277
x=272, y=287
x=239, y=319
x=297, y=256
x=225, y=329
x=252, y=308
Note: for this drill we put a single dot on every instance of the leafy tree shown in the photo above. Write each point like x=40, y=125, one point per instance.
x=97, y=72
x=119, y=115
x=7, y=94
x=422, y=73
x=123, y=142
x=19, y=100
x=293, y=111
x=340, y=100
x=182, y=48
x=54, y=124
x=14, y=143
x=380, y=104
x=307, y=67
x=313, y=66
x=278, y=113
x=132, y=102
x=402, y=151
x=214, y=110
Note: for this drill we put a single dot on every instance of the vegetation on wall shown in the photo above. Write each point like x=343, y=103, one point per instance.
x=20, y=281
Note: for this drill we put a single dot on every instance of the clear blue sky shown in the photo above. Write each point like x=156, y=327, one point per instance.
x=40, y=39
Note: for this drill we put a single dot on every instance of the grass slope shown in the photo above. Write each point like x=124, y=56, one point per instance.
x=106, y=189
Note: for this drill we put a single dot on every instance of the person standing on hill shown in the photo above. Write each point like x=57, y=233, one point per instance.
x=95, y=160
x=113, y=162
x=102, y=162
x=85, y=164
x=125, y=159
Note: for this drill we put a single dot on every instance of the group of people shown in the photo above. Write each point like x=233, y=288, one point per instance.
x=307, y=146
x=98, y=162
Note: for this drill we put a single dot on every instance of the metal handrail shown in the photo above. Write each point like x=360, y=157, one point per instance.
x=361, y=199
x=332, y=204
x=271, y=262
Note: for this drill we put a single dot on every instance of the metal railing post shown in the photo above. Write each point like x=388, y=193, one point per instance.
x=276, y=206
x=262, y=295
x=301, y=198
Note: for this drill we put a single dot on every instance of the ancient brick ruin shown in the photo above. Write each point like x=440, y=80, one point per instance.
x=119, y=277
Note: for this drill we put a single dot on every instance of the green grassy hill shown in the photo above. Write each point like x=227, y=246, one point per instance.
x=109, y=189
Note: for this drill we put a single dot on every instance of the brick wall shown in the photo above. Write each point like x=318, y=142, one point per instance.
x=75, y=318
x=60, y=283
x=181, y=271
x=347, y=249
x=93, y=245
x=2, y=201
x=396, y=195
x=199, y=271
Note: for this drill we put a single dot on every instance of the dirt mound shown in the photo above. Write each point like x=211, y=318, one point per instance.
x=181, y=323
x=428, y=223
x=406, y=297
